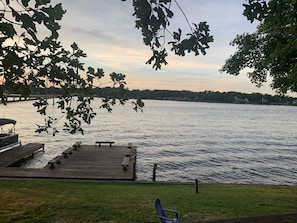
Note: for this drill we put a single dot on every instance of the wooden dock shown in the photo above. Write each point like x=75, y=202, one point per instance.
x=18, y=97
x=86, y=162
x=12, y=156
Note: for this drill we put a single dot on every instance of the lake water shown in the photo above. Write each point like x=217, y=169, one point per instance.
x=214, y=143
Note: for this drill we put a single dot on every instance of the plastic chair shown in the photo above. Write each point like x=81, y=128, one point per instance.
x=161, y=213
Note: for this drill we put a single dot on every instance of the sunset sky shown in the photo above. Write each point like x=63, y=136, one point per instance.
x=105, y=30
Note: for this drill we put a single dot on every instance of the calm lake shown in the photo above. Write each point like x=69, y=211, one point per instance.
x=214, y=143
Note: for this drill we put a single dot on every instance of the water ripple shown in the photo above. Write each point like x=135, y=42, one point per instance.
x=215, y=143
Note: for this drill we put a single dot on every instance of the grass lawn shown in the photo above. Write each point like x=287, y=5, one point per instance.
x=73, y=201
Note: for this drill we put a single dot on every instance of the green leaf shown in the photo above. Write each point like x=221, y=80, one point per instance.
x=91, y=70
x=99, y=73
x=7, y=29
x=39, y=17
x=29, y=42
x=74, y=46
x=25, y=3
x=55, y=13
x=158, y=59
x=15, y=14
x=28, y=23
x=41, y=2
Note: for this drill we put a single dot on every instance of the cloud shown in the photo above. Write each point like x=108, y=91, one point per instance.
x=105, y=30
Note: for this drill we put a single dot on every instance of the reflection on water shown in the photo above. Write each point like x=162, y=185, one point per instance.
x=224, y=143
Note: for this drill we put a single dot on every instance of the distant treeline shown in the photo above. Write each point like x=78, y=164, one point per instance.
x=212, y=96
x=205, y=96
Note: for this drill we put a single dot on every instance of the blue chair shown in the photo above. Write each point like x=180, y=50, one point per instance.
x=161, y=213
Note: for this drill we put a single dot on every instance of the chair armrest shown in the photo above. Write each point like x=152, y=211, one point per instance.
x=167, y=219
x=172, y=211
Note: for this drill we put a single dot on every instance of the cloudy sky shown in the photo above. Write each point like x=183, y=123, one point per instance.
x=105, y=30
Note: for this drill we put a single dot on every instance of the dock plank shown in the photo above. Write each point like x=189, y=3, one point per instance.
x=89, y=162
x=18, y=153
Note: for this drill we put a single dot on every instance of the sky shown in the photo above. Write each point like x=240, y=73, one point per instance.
x=106, y=31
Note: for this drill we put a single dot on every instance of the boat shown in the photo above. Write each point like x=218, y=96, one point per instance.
x=8, y=138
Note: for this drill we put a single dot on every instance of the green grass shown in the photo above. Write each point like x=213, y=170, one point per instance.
x=75, y=202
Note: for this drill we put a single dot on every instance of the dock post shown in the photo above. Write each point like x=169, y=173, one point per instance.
x=154, y=172
x=196, y=184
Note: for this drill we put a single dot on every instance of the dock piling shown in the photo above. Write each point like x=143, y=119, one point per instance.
x=196, y=186
x=154, y=172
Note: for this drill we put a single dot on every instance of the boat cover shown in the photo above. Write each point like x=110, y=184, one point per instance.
x=5, y=121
